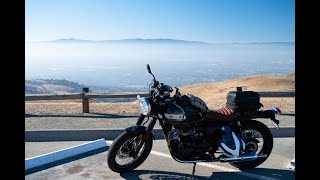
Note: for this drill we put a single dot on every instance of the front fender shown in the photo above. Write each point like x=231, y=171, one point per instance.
x=138, y=130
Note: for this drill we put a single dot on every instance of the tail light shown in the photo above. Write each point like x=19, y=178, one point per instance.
x=276, y=110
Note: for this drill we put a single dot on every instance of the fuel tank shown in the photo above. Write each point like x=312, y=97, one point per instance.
x=176, y=114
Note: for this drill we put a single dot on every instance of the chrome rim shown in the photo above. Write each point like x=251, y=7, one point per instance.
x=253, y=140
x=125, y=153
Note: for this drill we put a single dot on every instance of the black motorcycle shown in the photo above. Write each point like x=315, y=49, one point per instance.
x=193, y=132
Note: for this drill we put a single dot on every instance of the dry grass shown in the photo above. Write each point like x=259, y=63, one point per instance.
x=214, y=94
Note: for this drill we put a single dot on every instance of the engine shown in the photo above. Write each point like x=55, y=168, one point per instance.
x=186, y=141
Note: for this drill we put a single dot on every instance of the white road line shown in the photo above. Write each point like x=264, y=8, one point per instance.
x=214, y=166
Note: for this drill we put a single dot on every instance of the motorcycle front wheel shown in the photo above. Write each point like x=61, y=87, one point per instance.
x=258, y=140
x=121, y=152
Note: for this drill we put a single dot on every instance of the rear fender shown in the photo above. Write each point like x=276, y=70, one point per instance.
x=264, y=114
x=271, y=114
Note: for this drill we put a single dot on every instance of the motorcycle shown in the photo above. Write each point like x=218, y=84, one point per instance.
x=193, y=132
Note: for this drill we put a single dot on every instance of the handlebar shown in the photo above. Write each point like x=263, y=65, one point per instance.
x=158, y=89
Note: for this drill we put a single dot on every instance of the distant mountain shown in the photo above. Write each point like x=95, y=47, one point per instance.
x=153, y=41
x=129, y=41
x=156, y=41
x=71, y=40
x=282, y=43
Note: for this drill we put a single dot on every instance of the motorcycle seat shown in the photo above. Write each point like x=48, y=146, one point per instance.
x=224, y=114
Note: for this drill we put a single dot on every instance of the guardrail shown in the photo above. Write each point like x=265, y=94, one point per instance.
x=85, y=96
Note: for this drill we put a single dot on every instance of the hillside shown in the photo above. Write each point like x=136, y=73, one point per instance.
x=214, y=94
x=47, y=86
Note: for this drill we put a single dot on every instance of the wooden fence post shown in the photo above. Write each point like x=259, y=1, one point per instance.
x=85, y=101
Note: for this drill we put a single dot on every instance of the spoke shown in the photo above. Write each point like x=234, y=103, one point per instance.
x=248, y=134
x=259, y=135
x=123, y=155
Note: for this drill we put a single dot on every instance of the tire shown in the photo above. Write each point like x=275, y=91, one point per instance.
x=117, y=146
x=266, y=148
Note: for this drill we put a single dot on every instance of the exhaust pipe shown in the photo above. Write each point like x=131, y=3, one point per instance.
x=249, y=157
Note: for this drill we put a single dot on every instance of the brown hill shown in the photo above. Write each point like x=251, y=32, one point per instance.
x=214, y=94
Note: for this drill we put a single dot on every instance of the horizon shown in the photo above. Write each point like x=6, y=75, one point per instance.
x=239, y=38
x=204, y=21
x=137, y=38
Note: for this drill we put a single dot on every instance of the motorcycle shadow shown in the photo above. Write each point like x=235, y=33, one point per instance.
x=259, y=173
x=151, y=174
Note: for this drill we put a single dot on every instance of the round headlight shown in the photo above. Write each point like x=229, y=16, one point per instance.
x=145, y=106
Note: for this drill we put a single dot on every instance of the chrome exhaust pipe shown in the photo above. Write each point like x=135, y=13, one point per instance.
x=249, y=157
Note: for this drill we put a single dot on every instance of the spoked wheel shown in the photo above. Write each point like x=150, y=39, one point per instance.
x=258, y=140
x=121, y=156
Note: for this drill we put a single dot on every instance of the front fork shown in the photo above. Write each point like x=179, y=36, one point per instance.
x=146, y=134
x=140, y=119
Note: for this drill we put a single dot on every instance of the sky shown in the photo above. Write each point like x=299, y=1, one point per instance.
x=211, y=21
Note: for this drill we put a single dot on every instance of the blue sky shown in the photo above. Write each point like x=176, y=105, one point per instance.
x=195, y=20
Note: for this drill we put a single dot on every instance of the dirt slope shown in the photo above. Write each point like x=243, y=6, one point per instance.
x=214, y=94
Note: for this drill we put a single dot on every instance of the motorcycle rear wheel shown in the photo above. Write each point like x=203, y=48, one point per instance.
x=263, y=130
x=120, y=154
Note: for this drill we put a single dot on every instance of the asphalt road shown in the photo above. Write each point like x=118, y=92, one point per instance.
x=159, y=165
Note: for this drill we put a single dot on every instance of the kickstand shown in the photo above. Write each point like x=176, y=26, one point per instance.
x=194, y=168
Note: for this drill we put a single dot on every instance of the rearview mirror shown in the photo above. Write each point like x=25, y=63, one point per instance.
x=148, y=67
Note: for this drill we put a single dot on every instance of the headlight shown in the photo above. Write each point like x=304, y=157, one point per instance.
x=145, y=106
